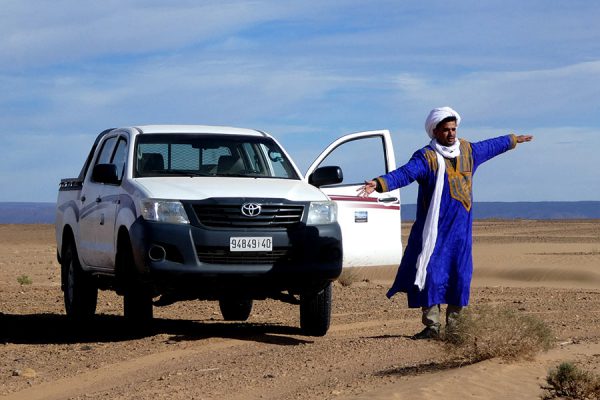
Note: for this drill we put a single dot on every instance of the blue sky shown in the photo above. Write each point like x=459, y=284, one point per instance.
x=307, y=72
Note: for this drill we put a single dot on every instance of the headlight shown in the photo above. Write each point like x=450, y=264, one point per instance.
x=322, y=212
x=164, y=211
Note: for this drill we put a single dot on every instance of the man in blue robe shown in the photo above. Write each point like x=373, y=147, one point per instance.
x=437, y=264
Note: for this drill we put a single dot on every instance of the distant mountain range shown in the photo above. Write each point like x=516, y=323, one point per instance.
x=44, y=213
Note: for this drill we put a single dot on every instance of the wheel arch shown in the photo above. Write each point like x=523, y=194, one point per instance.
x=68, y=236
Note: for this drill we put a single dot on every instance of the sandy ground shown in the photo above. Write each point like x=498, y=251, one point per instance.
x=548, y=269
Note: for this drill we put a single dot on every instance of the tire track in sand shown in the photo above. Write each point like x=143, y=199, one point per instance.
x=117, y=374
x=148, y=367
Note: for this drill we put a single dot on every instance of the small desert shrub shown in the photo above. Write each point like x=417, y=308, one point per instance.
x=349, y=276
x=569, y=382
x=24, y=280
x=488, y=332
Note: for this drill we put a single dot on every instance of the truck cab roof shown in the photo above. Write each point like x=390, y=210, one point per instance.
x=149, y=129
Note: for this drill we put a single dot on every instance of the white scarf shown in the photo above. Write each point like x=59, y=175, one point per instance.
x=430, y=230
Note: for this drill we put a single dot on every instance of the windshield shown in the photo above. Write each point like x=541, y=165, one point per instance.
x=210, y=155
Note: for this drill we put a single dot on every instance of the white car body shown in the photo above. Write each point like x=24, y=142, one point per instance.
x=371, y=242
x=218, y=213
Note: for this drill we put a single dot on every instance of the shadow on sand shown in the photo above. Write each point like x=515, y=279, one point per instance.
x=425, y=368
x=57, y=329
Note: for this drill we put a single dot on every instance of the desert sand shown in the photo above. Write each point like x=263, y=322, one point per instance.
x=550, y=269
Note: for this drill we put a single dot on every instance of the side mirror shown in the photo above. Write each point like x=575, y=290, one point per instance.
x=326, y=176
x=105, y=173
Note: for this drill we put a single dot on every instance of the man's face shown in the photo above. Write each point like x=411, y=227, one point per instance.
x=445, y=133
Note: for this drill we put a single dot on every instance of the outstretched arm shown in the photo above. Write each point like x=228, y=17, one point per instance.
x=524, y=138
x=487, y=149
x=416, y=168
x=368, y=188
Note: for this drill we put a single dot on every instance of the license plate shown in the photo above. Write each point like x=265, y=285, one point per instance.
x=251, y=244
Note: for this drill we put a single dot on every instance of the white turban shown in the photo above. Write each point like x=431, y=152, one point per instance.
x=436, y=116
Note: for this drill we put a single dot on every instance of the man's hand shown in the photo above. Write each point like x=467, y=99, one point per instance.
x=367, y=188
x=524, y=138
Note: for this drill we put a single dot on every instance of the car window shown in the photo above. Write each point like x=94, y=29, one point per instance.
x=106, y=151
x=359, y=159
x=120, y=156
x=210, y=155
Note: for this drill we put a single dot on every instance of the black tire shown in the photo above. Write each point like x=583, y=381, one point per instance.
x=137, y=305
x=234, y=309
x=315, y=312
x=137, y=298
x=80, y=292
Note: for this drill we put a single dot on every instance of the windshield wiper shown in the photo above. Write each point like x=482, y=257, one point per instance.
x=236, y=175
x=176, y=172
x=191, y=173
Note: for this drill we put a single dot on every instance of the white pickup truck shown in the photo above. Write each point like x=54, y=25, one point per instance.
x=181, y=212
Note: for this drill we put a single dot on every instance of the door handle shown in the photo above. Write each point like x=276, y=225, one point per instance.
x=83, y=199
x=387, y=199
x=98, y=199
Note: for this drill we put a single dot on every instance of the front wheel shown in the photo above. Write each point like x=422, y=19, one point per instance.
x=137, y=305
x=234, y=309
x=80, y=292
x=137, y=297
x=315, y=311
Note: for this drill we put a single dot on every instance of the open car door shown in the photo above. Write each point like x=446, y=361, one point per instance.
x=370, y=225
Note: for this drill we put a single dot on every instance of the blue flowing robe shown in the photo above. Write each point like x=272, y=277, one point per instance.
x=450, y=268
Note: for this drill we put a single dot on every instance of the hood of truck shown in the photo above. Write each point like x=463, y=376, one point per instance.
x=200, y=188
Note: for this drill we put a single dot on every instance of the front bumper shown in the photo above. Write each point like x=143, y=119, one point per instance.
x=196, y=260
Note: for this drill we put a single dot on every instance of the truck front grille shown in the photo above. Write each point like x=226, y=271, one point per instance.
x=230, y=215
x=218, y=255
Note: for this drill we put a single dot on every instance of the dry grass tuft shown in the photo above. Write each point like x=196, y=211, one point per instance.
x=569, y=382
x=24, y=280
x=487, y=332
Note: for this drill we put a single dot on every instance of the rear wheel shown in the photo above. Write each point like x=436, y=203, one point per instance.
x=315, y=312
x=234, y=309
x=80, y=292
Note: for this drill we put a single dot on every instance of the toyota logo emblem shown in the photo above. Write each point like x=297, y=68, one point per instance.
x=250, y=209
